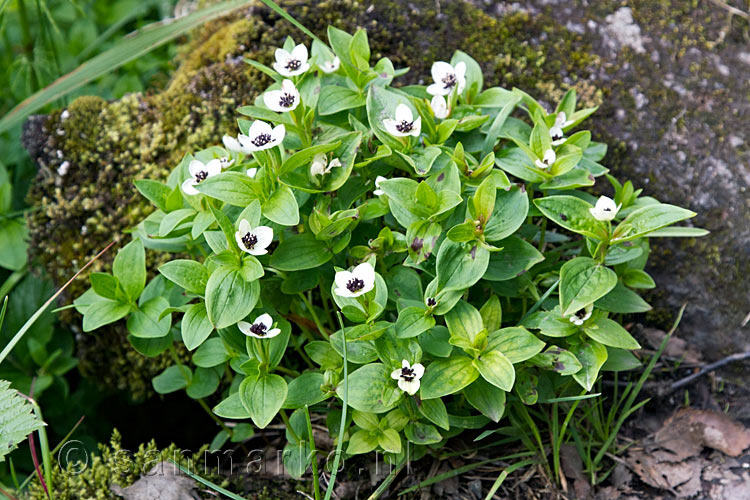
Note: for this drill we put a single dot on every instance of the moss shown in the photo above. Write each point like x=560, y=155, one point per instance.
x=108, y=145
x=92, y=479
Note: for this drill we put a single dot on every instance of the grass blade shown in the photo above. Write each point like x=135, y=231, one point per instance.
x=206, y=482
x=143, y=41
x=339, y=445
x=504, y=474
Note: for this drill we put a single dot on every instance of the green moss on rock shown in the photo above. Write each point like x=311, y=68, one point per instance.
x=89, y=160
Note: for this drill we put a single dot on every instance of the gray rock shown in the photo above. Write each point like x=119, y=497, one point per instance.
x=163, y=482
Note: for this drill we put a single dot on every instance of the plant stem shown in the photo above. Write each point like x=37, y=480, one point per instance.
x=314, y=453
x=314, y=315
x=288, y=425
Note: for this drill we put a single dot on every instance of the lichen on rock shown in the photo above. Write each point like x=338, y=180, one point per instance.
x=105, y=146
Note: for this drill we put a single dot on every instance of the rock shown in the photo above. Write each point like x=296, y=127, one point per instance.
x=163, y=482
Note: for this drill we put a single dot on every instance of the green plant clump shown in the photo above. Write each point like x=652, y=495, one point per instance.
x=447, y=223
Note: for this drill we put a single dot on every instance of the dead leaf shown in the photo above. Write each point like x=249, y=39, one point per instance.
x=163, y=482
x=688, y=430
x=682, y=478
x=676, y=347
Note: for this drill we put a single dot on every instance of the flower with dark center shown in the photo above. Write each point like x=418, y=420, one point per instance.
x=404, y=124
x=330, y=66
x=254, y=241
x=356, y=282
x=291, y=64
x=408, y=377
x=261, y=328
x=321, y=166
x=556, y=131
x=579, y=317
x=439, y=107
x=447, y=77
x=605, y=209
x=226, y=162
x=282, y=100
x=261, y=136
x=549, y=158
x=431, y=302
x=199, y=172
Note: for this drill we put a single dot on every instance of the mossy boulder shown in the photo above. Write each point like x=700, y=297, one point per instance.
x=89, y=155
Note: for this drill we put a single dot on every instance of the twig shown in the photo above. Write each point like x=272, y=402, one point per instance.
x=732, y=10
x=709, y=368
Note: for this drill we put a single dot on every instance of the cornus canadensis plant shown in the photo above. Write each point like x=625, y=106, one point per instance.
x=457, y=234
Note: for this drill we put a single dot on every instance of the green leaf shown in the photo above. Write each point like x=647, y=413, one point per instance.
x=496, y=369
x=212, y=352
x=234, y=188
x=205, y=381
x=592, y=356
x=129, y=49
x=516, y=162
x=515, y=342
x=459, y=265
x=622, y=300
x=573, y=214
x=102, y=312
x=324, y=354
x=362, y=441
x=305, y=390
x=187, y=274
x=173, y=219
x=610, y=333
x=229, y=298
x=558, y=360
x=434, y=411
x=145, y=322
x=492, y=313
x=420, y=433
x=490, y=139
x=516, y=256
x=151, y=347
x=196, y=327
x=300, y=251
x=129, y=268
x=510, y=211
x=263, y=397
x=412, y=321
x=653, y=217
x=619, y=360
x=155, y=191
x=104, y=284
x=295, y=172
x=282, y=208
x=13, y=244
x=464, y=322
x=366, y=386
x=334, y=99
x=390, y=441
x=172, y=379
x=231, y=407
x=486, y=398
x=583, y=281
x=447, y=376
x=678, y=232
x=635, y=278
x=17, y=419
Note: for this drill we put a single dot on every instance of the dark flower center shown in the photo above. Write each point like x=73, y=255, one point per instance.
x=261, y=140
x=258, y=329
x=606, y=209
x=201, y=176
x=293, y=64
x=557, y=136
x=581, y=314
x=407, y=374
x=449, y=80
x=431, y=302
x=404, y=126
x=224, y=161
x=249, y=240
x=286, y=100
x=355, y=285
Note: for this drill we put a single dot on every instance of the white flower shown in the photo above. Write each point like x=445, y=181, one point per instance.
x=226, y=162
x=404, y=124
x=439, y=107
x=547, y=161
x=330, y=66
x=556, y=131
x=430, y=301
x=261, y=136
x=233, y=145
x=282, y=100
x=260, y=328
x=321, y=166
x=605, y=209
x=291, y=64
x=446, y=77
x=359, y=281
x=251, y=172
x=408, y=377
x=580, y=316
x=378, y=180
x=253, y=240
x=199, y=173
